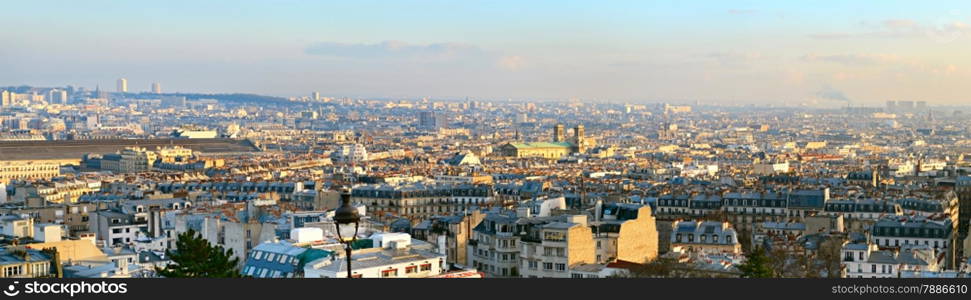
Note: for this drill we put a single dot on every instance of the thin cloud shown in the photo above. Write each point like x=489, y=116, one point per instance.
x=395, y=49
x=830, y=36
x=733, y=58
x=439, y=54
x=899, y=23
x=853, y=59
x=903, y=28
x=742, y=11
x=830, y=93
x=511, y=63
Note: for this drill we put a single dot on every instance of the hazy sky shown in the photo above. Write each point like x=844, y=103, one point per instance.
x=730, y=51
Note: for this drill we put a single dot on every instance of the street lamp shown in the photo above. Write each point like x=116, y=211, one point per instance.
x=344, y=217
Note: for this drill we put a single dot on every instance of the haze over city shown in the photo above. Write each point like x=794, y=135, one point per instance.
x=630, y=145
x=830, y=53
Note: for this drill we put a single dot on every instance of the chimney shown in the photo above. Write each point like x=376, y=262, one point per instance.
x=599, y=211
x=579, y=219
x=523, y=212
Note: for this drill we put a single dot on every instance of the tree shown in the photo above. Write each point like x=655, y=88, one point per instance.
x=779, y=261
x=195, y=257
x=745, y=239
x=829, y=256
x=660, y=267
x=757, y=265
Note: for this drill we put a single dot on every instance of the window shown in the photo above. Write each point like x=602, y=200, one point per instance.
x=861, y=255
x=426, y=267
x=560, y=267
x=576, y=275
x=554, y=251
x=411, y=269
x=873, y=268
x=389, y=273
x=547, y=266
x=554, y=236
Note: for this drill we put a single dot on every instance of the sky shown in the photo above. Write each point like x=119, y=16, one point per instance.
x=725, y=52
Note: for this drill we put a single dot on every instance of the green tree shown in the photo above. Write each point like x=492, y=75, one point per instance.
x=195, y=257
x=757, y=265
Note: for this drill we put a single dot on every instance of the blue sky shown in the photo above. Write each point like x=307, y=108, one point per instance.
x=794, y=52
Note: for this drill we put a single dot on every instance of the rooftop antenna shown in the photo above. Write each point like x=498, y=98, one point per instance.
x=583, y=192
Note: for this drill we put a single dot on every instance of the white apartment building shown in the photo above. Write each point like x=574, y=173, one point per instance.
x=864, y=260
x=391, y=257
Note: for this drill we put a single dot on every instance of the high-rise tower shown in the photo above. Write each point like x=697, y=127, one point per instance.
x=122, y=85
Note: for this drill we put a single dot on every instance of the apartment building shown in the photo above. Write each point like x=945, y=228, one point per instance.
x=625, y=232
x=393, y=256
x=894, y=232
x=865, y=260
x=28, y=170
x=520, y=244
x=450, y=234
x=116, y=228
x=419, y=201
x=744, y=208
x=860, y=214
x=705, y=236
x=495, y=245
x=550, y=249
x=20, y=262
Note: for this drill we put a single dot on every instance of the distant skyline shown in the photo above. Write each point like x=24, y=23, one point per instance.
x=761, y=52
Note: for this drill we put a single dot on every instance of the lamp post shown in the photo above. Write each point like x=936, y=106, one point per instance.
x=344, y=216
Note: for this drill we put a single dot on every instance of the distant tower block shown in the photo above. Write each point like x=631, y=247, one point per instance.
x=558, y=134
x=122, y=85
x=315, y=96
x=156, y=88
